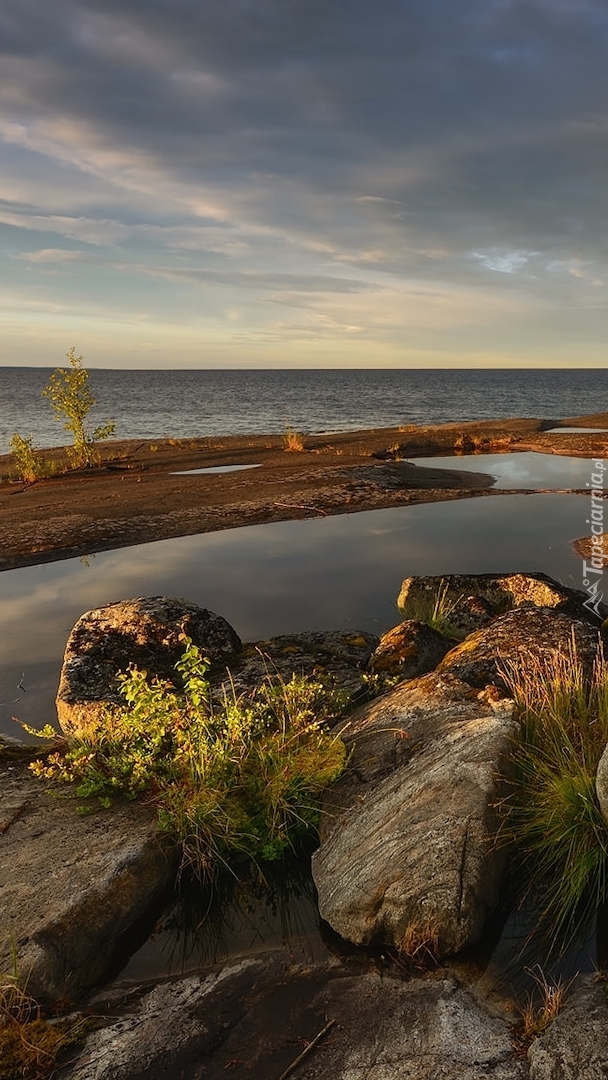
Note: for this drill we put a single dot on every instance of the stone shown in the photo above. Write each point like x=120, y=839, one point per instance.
x=515, y=637
x=336, y=657
x=601, y=784
x=410, y=649
x=72, y=886
x=575, y=1047
x=407, y=834
x=146, y=631
x=254, y=1018
x=472, y=600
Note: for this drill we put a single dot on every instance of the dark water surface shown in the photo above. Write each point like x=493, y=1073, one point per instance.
x=324, y=573
x=157, y=404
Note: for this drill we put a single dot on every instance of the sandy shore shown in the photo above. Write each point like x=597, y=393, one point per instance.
x=137, y=495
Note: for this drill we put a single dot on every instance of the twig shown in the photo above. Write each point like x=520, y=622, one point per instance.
x=311, y=1045
x=300, y=506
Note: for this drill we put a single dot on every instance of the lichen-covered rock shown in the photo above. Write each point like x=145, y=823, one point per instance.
x=515, y=636
x=339, y=658
x=146, y=631
x=406, y=834
x=601, y=784
x=575, y=1047
x=472, y=600
x=72, y=886
x=410, y=649
x=253, y=1018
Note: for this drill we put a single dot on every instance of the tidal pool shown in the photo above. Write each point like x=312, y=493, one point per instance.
x=528, y=469
x=324, y=573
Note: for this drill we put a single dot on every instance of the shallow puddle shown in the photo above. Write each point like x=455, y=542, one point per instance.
x=215, y=469
x=525, y=470
x=341, y=572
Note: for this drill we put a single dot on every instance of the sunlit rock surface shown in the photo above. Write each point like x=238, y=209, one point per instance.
x=407, y=835
x=146, y=631
x=520, y=636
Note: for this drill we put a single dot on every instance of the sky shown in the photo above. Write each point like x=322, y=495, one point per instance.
x=280, y=183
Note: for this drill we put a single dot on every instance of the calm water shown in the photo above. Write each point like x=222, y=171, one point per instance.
x=521, y=470
x=325, y=573
x=154, y=404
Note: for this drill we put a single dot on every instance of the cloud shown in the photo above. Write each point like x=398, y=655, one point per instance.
x=283, y=148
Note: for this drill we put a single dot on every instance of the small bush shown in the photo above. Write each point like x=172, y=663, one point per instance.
x=238, y=780
x=31, y=464
x=551, y=814
x=71, y=400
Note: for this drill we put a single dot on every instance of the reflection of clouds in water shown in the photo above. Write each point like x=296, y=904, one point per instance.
x=323, y=573
x=520, y=470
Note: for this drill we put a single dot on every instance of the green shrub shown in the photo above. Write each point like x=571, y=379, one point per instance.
x=436, y=609
x=30, y=462
x=71, y=400
x=551, y=814
x=238, y=779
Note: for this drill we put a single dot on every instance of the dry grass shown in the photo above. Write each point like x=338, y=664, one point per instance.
x=543, y=1004
x=419, y=945
x=30, y=1045
x=294, y=442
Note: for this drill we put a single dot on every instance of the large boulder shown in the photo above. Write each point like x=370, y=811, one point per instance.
x=407, y=833
x=470, y=601
x=146, y=631
x=601, y=784
x=72, y=887
x=515, y=638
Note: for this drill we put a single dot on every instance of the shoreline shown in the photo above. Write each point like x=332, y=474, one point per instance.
x=136, y=495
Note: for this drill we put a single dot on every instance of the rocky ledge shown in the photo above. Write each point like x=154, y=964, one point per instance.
x=407, y=851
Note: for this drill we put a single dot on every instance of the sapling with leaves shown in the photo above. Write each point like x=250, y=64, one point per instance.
x=71, y=399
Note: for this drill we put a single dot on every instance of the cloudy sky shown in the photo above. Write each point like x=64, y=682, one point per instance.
x=306, y=183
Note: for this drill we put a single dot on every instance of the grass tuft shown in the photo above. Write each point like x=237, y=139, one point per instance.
x=436, y=610
x=542, y=1006
x=551, y=813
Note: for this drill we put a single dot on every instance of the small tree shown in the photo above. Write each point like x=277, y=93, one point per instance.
x=71, y=400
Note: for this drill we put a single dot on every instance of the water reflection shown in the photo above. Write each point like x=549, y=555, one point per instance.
x=528, y=470
x=325, y=573
x=215, y=469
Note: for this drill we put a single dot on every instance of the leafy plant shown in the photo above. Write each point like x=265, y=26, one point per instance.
x=241, y=778
x=31, y=464
x=551, y=813
x=71, y=400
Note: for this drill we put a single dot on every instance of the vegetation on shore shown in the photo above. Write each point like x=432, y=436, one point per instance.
x=551, y=814
x=235, y=779
x=71, y=400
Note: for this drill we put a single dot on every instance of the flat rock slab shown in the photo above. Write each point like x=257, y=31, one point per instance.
x=407, y=845
x=71, y=886
x=336, y=657
x=254, y=1019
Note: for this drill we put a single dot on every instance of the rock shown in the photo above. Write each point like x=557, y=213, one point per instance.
x=406, y=835
x=575, y=1047
x=409, y=650
x=254, y=1019
x=515, y=636
x=145, y=631
x=470, y=601
x=337, y=657
x=72, y=886
x=601, y=784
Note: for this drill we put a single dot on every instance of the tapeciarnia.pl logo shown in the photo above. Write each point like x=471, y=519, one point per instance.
x=593, y=570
